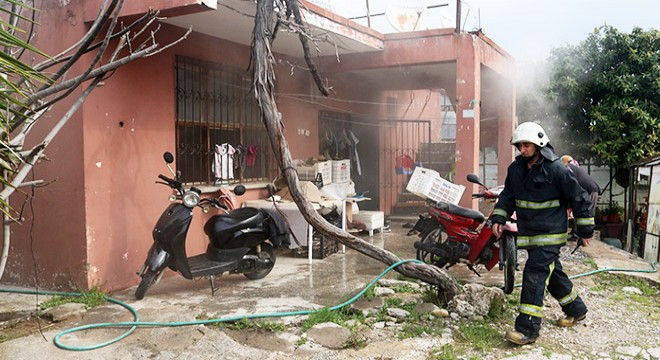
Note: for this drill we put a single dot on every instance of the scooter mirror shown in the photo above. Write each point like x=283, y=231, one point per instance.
x=473, y=178
x=168, y=157
x=239, y=190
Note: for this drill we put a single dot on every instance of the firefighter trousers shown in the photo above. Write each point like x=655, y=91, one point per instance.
x=543, y=270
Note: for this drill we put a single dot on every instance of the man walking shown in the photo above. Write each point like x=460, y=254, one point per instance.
x=586, y=181
x=540, y=190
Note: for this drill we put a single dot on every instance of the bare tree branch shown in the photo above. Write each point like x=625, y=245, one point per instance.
x=263, y=84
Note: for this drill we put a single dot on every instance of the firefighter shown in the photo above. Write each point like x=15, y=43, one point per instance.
x=540, y=190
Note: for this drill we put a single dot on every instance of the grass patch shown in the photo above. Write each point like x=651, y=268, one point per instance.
x=479, y=335
x=430, y=294
x=453, y=352
x=93, y=298
x=419, y=327
x=591, y=262
x=612, y=281
x=339, y=317
x=248, y=324
x=406, y=289
x=302, y=341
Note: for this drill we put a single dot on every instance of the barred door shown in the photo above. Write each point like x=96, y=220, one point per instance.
x=387, y=150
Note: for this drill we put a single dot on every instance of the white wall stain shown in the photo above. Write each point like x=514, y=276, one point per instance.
x=98, y=164
x=125, y=256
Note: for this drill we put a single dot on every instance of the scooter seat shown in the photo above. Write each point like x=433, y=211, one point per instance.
x=238, y=218
x=459, y=210
x=220, y=228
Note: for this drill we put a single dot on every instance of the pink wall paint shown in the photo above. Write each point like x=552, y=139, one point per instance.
x=106, y=200
x=55, y=235
x=130, y=8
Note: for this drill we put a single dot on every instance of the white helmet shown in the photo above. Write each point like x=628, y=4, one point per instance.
x=530, y=132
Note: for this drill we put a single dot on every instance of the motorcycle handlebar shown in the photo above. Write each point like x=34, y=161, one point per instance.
x=486, y=195
x=174, y=184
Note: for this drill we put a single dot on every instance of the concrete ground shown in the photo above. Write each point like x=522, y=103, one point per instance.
x=293, y=285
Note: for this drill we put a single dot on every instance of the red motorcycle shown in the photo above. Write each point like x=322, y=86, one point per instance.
x=451, y=234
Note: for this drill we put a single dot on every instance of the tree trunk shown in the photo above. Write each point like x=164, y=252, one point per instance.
x=263, y=81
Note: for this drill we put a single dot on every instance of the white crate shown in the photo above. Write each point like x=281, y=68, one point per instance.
x=371, y=219
x=429, y=184
x=341, y=171
x=308, y=173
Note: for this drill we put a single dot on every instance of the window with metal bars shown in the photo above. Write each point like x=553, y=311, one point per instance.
x=219, y=132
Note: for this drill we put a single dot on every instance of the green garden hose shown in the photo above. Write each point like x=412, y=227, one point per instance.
x=132, y=325
x=136, y=323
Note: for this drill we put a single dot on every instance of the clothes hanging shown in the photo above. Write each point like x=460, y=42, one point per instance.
x=239, y=157
x=223, y=162
x=355, y=157
x=251, y=156
x=404, y=165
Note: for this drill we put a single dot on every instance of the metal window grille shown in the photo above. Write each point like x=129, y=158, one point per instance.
x=215, y=111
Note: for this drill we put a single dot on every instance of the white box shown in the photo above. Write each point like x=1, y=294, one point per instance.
x=341, y=171
x=371, y=219
x=308, y=173
x=429, y=184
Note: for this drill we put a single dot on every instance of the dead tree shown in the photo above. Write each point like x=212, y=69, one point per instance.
x=113, y=45
x=266, y=24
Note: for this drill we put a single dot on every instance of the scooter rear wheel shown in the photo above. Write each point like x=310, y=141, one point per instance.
x=267, y=252
x=435, y=236
x=510, y=259
x=148, y=278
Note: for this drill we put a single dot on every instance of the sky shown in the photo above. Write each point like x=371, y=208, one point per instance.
x=527, y=29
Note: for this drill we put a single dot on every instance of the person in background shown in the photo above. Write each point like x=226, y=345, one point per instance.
x=586, y=181
x=539, y=189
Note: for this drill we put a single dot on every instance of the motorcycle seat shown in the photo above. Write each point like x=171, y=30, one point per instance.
x=459, y=210
x=236, y=219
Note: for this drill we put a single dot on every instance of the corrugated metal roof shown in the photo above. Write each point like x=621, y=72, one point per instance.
x=651, y=161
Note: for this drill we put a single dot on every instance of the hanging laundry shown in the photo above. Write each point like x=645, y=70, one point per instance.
x=239, y=157
x=355, y=157
x=404, y=165
x=223, y=164
x=251, y=156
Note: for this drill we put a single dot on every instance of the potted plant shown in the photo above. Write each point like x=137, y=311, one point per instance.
x=613, y=212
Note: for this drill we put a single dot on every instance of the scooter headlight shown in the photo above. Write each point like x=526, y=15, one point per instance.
x=191, y=199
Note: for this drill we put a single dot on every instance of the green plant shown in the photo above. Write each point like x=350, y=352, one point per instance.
x=355, y=342
x=253, y=325
x=302, y=341
x=339, y=317
x=448, y=352
x=613, y=208
x=93, y=298
x=481, y=335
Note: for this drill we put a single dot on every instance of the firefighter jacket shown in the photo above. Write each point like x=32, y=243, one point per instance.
x=541, y=196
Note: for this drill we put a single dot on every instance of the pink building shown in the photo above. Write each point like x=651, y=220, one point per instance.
x=395, y=92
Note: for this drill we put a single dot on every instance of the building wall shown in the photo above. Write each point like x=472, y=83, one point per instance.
x=53, y=231
x=92, y=226
x=107, y=158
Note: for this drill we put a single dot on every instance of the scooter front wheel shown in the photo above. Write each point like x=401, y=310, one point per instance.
x=267, y=253
x=148, y=278
x=510, y=259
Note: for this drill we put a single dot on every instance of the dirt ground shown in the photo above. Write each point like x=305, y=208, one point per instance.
x=623, y=320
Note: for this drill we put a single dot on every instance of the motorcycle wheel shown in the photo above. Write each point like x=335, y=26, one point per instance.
x=435, y=236
x=510, y=259
x=148, y=278
x=267, y=252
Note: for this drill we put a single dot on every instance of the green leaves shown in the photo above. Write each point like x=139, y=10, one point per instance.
x=606, y=94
